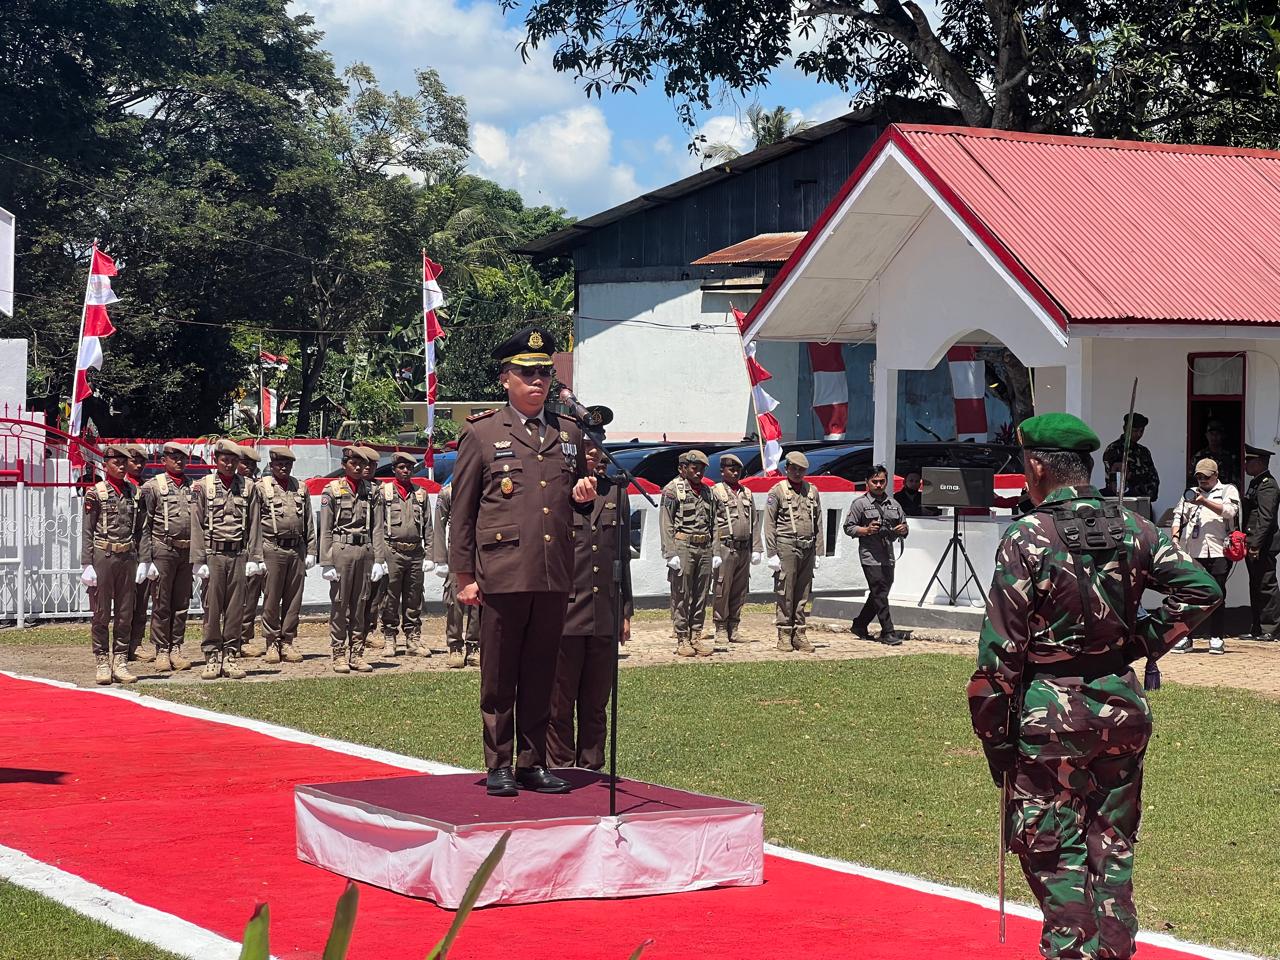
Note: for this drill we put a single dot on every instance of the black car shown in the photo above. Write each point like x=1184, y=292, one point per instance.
x=908, y=457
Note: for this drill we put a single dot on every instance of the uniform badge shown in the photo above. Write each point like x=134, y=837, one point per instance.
x=507, y=487
x=535, y=340
x=501, y=444
x=564, y=436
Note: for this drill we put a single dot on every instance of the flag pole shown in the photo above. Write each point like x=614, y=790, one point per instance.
x=262, y=393
x=426, y=374
x=84, y=312
x=746, y=367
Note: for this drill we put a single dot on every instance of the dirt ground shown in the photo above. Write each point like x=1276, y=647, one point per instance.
x=1247, y=665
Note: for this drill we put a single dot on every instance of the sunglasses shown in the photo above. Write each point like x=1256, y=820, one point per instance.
x=531, y=373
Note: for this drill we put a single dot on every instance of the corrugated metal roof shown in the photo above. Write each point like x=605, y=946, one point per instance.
x=1118, y=230
x=764, y=248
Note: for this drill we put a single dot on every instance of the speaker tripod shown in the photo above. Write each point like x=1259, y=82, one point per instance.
x=955, y=550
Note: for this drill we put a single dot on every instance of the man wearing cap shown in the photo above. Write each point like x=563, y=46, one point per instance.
x=588, y=649
x=461, y=623
x=520, y=475
x=1202, y=522
x=1215, y=449
x=1260, y=508
x=165, y=547
x=1059, y=712
x=224, y=510
x=347, y=530
x=688, y=519
x=738, y=547
x=403, y=545
x=793, y=539
x=109, y=558
x=249, y=646
x=878, y=522
x=142, y=591
x=376, y=595
x=1141, y=477
x=286, y=540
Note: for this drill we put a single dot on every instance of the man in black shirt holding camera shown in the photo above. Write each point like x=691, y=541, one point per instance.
x=876, y=520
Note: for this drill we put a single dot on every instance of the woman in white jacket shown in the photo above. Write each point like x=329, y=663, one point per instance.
x=1204, y=518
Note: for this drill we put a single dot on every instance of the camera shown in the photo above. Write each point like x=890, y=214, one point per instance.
x=1191, y=495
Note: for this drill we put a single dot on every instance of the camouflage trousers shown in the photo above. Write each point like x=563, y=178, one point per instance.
x=1073, y=821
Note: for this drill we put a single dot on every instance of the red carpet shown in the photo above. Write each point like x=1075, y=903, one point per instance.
x=195, y=818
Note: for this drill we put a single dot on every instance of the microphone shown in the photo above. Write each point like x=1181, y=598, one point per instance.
x=576, y=409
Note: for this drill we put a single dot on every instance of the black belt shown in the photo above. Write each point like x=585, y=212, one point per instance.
x=405, y=546
x=735, y=544
x=803, y=542
x=1088, y=668
x=285, y=543
x=354, y=539
x=174, y=543
x=222, y=546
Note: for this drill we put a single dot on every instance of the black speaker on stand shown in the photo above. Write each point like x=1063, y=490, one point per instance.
x=956, y=487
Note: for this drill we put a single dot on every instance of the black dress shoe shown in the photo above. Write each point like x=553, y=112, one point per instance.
x=540, y=779
x=859, y=632
x=890, y=639
x=501, y=782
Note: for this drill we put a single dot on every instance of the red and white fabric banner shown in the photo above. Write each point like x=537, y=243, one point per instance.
x=95, y=325
x=830, y=389
x=432, y=300
x=270, y=409
x=969, y=387
x=769, y=428
x=270, y=361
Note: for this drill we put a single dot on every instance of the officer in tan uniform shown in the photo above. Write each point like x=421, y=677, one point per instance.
x=520, y=476
x=792, y=539
x=347, y=530
x=249, y=646
x=166, y=549
x=223, y=512
x=376, y=595
x=738, y=547
x=109, y=558
x=286, y=541
x=688, y=518
x=461, y=623
x=142, y=592
x=403, y=545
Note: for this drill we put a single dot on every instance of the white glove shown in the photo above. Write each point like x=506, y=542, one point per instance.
x=378, y=572
x=311, y=562
x=715, y=564
x=329, y=573
x=89, y=576
x=775, y=564
x=202, y=571
x=252, y=569
x=428, y=566
x=442, y=570
x=674, y=564
x=153, y=572
x=755, y=558
x=140, y=574
x=817, y=562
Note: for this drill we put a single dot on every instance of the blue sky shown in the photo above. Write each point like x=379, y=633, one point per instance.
x=532, y=129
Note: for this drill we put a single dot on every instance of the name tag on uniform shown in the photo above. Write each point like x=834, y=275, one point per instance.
x=504, y=455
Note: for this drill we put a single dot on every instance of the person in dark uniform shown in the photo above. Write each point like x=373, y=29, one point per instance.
x=584, y=670
x=142, y=595
x=1215, y=449
x=1260, y=503
x=520, y=475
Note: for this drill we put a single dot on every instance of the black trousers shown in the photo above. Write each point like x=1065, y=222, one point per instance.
x=879, y=583
x=1219, y=568
x=1264, y=595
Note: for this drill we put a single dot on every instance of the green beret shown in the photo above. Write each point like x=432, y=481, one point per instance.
x=1058, y=431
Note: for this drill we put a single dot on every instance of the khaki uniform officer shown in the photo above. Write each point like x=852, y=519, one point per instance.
x=286, y=540
x=403, y=545
x=347, y=529
x=738, y=536
x=224, y=510
x=688, y=520
x=253, y=584
x=142, y=591
x=109, y=557
x=166, y=549
x=792, y=538
x=376, y=595
x=461, y=624
x=520, y=476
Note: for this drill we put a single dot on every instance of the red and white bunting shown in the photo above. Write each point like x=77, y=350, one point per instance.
x=95, y=325
x=269, y=361
x=770, y=431
x=968, y=386
x=830, y=389
x=432, y=300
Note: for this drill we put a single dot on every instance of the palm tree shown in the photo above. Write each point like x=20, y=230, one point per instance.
x=766, y=127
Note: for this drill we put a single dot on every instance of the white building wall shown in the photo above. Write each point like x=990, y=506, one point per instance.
x=13, y=375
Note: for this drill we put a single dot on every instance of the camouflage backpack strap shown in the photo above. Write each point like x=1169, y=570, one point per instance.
x=1087, y=531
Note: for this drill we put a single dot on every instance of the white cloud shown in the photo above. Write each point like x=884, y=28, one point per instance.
x=563, y=159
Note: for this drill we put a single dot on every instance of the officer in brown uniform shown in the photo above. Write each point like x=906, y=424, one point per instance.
x=347, y=530
x=461, y=623
x=376, y=595
x=109, y=558
x=249, y=646
x=792, y=538
x=688, y=518
x=166, y=549
x=404, y=547
x=142, y=591
x=223, y=512
x=738, y=547
x=584, y=670
x=286, y=540
x=521, y=474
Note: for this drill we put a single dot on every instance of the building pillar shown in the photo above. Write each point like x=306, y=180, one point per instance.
x=884, y=436
x=1079, y=377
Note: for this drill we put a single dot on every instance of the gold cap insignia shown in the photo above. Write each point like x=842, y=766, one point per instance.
x=535, y=340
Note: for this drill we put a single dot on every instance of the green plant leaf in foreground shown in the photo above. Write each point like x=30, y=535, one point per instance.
x=344, y=924
x=640, y=949
x=441, y=949
x=256, y=932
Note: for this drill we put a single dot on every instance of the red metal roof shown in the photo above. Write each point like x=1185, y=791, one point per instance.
x=764, y=248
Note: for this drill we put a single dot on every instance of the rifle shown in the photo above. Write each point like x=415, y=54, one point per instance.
x=1151, y=675
x=1004, y=844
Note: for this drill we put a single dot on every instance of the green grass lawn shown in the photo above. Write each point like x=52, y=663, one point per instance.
x=36, y=928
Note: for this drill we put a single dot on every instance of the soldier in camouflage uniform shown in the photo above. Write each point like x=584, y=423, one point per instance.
x=738, y=547
x=1061, y=715
x=793, y=538
x=688, y=520
x=1141, y=478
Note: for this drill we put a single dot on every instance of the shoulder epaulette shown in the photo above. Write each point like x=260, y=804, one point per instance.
x=265, y=484
x=209, y=481
x=481, y=415
x=334, y=487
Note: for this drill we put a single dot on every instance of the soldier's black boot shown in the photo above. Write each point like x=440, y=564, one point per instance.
x=541, y=780
x=501, y=782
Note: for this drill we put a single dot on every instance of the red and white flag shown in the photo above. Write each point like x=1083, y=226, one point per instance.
x=769, y=429
x=432, y=300
x=270, y=409
x=830, y=389
x=270, y=361
x=968, y=386
x=95, y=326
